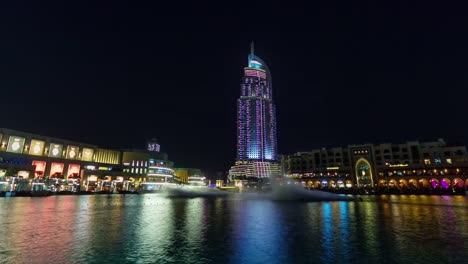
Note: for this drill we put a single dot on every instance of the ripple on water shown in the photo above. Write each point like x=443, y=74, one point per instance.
x=158, y=229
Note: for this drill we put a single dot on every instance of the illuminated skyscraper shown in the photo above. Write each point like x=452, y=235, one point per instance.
x=256, y=123
x=256, y=117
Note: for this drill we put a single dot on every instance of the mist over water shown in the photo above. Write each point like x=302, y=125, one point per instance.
x=277, y=193
x=237, y=228
x=289, y=192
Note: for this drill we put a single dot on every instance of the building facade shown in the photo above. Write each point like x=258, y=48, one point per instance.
x=63, y=165
x=256, y=123
x=412, y=165
x=190, y=176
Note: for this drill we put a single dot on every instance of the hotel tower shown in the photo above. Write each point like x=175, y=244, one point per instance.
x=256, y=124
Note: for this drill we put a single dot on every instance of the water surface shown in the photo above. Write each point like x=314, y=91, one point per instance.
x=155, y=229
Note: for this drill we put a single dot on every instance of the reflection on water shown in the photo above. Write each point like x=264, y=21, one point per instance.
x=156, y=229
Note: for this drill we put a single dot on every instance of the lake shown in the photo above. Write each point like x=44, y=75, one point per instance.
x=153, y=228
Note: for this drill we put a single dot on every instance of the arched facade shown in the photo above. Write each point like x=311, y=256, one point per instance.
x=413, y=184
x=363, y=172
x=458, y=183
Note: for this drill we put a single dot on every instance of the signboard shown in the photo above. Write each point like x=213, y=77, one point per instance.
x=154, y=147
x=15, y=144
x=87, y=154
x=37, y=147
x=55, y=150
x=72, y=152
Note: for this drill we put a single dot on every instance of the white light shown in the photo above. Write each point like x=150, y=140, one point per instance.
x=15, y=146
x=55, y=151
x=159, y=174
x=36, y=149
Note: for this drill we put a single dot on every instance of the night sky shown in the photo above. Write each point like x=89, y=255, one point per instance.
x=116, y=74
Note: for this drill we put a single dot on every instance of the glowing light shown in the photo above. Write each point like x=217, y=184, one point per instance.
x=92, y=178
x=56, y=168
x=37, y=147
x=159, y=174
x=398, y=165
x=40, y=166
x=55, y=152
x=15, y=146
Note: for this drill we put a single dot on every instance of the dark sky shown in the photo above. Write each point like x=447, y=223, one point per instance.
x=115, y=74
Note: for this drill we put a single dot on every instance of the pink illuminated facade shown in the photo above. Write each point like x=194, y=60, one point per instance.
x=256, y=114
x=256, y=123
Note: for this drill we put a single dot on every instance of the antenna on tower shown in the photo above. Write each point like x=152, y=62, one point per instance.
x=252, y=49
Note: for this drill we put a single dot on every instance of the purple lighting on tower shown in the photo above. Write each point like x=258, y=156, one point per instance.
x=256, y=138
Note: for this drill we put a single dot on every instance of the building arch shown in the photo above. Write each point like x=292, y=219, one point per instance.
x=340, y=184
x=424, y=184
x=403, y=184
x=458, y=183
x=332, y=184
x=393, y=184
x=363, y=172
x=316, y=184
x=413, y=184
x=382, y=183
x=445, y=183
x=434, y=183
x=323, y=184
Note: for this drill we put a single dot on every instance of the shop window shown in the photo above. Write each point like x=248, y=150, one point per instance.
x=427, y=161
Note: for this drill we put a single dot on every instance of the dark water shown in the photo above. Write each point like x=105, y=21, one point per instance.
x=155, y=229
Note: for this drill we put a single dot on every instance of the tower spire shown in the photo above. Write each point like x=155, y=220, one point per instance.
x=252, y=49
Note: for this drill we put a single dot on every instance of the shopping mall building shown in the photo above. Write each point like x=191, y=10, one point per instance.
x=33, y=162
x=408, y=167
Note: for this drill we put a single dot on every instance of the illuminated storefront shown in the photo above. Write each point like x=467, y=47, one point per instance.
x=73, y=171
x=56, y=170
x=40, y=168
x=63, y=165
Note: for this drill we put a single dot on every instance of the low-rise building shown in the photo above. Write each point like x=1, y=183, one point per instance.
x=410, y=165
x=29, y=160
x=190, y=176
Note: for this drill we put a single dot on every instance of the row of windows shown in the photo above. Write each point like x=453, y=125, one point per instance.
x=387, y=151
x=136, y=170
